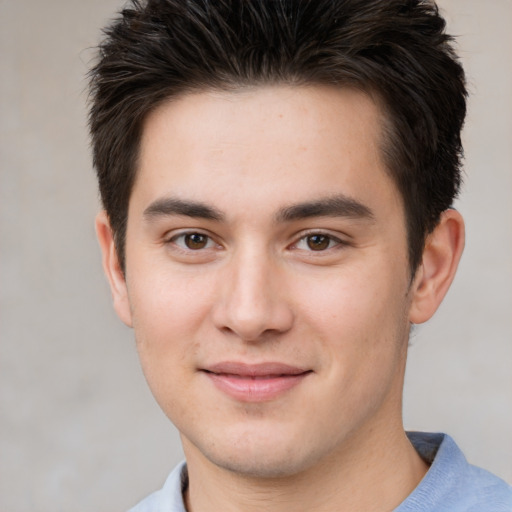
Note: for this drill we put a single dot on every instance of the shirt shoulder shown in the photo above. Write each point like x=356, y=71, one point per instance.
x=452, y=484
x=170, y=497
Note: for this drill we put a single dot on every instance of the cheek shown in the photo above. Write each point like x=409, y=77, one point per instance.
x=168, y=320
x=357, y=298
x=167, y=306
x=360, y=314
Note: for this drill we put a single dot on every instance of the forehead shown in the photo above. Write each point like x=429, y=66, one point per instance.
x=263, y=144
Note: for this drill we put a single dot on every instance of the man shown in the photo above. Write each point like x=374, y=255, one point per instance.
x=277, y=177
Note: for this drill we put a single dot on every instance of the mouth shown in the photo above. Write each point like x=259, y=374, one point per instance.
x=255, y=382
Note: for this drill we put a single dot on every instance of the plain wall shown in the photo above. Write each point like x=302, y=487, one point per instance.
x=79, y=431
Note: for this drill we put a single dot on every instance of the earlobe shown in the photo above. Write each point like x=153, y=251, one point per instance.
x=112, y=269
x=441, y=256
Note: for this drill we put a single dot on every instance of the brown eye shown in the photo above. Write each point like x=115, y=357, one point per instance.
x=196, y=241
x=318, y=242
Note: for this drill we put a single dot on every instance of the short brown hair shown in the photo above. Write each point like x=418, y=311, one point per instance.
x=396, y=50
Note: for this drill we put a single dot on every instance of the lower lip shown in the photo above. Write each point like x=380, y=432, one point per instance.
x=260, y=389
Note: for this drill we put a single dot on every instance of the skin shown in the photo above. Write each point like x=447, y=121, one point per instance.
x=230, y=256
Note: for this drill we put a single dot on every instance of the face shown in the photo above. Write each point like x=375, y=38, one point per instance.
x=267, y=278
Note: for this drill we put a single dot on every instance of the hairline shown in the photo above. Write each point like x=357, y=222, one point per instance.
x=384, y=133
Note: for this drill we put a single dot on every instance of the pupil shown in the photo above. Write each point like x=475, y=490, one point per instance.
x=195, y=241
x=318, y=242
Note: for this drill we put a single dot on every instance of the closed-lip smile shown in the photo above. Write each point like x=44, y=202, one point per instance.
x=259, y=382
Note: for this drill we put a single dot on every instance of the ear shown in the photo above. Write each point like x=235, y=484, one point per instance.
x=112, y=268
x=443, y=249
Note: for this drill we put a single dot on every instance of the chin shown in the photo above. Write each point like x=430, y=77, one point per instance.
x=262, y=466
x=264, y=457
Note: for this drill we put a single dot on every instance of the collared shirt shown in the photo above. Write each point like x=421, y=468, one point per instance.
x=450, y=485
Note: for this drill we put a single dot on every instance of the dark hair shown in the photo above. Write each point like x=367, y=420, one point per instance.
x=395, y=50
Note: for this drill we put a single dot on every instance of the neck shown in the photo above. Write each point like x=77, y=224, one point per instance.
x=372, y=475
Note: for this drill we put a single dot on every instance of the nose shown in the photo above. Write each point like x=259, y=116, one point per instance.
x=252, y=301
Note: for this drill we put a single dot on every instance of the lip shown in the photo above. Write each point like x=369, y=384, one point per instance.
x=255, y=382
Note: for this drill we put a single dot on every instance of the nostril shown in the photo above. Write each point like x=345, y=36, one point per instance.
x=250, y=305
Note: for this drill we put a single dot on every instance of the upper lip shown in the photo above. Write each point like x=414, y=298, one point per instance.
x=254, y=370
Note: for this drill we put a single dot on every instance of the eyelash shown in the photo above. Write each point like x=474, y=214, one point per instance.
x=174, y=241
x=333, y=242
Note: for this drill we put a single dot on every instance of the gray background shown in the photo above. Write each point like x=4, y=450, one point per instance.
x=78, y=429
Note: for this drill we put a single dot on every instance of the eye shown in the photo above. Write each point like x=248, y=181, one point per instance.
x=317, y=242
x=193, y=241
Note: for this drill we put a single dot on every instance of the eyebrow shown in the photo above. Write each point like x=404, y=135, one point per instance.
x=172, y=206
x=333, y=206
